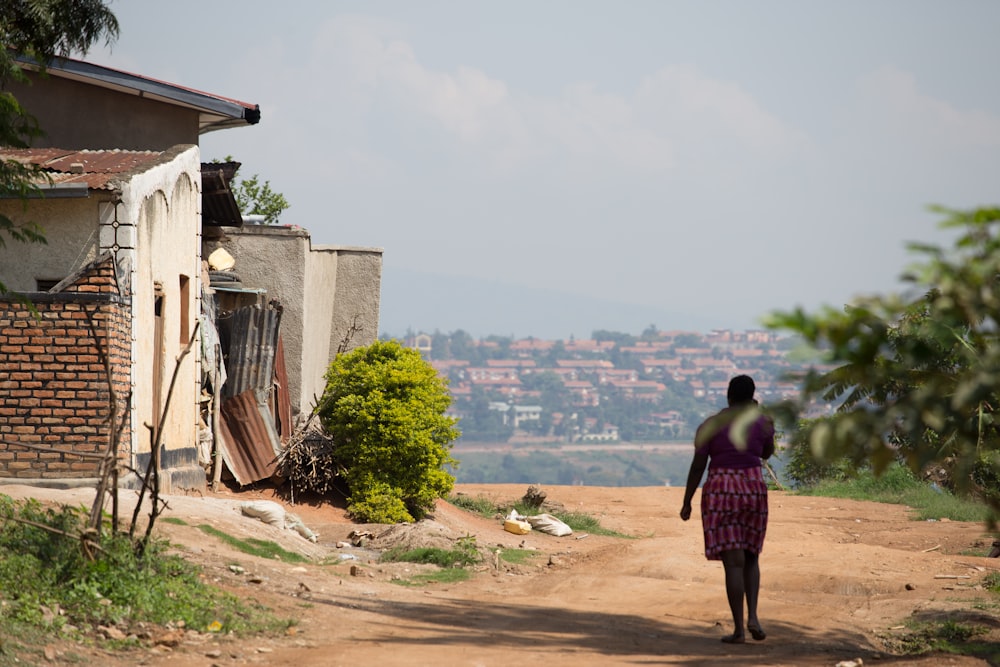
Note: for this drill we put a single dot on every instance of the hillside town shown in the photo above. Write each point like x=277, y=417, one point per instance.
x=609, y=388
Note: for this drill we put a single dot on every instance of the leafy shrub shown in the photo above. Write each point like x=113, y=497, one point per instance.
x=384, y=408
x=802, y=466
x=986, y=477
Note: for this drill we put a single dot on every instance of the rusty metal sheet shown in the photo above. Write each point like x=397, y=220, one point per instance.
x=249, y=442
x=96, y=168
x=282, y=397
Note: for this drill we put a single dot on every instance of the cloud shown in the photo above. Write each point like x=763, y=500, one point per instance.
x=896, y=107
x=366, y=65
x=681, y=101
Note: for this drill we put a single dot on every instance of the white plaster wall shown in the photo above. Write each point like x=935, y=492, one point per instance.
x=165, y=204
x=321, y=285
x=70, y=227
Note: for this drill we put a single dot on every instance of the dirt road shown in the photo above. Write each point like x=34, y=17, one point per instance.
x=841, y=580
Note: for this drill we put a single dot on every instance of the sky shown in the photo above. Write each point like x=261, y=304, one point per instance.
x=561, y=166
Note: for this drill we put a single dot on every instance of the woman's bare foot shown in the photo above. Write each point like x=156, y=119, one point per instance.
x=734, y=639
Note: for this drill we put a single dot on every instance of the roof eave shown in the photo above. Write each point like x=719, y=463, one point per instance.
x=215, y=112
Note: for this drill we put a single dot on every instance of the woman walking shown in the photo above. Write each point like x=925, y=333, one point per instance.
x=732, y=443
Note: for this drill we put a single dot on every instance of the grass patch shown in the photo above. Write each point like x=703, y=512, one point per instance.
x=254, y=547
x=518, y=556
x=463, y=554
x=480, y=505
x=949, y=636
x=584, y=523
x=50, y=588
x=898, y=486
x=451, y=575
x=177, y=521
x=452, y=562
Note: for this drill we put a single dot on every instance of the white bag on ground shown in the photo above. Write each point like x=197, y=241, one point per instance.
x=293, y=522
x=274, y=514
x=265, y=510
x=549, y=524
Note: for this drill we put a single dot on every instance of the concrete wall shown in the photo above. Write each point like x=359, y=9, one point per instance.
x=321, y=288
x=272, y=258
x=357, y=296
x=77, y=115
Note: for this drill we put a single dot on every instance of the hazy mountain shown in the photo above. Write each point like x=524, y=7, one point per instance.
x=417, y=301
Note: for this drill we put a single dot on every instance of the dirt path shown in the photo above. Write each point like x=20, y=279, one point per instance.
x=839, y=578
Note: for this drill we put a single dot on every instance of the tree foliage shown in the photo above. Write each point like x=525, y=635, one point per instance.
x=256, y=198
x=916, y=378
x=39, y=30
x=384, y=407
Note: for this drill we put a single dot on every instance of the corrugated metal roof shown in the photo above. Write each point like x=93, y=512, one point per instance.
x=94, y=168
x=250, y=341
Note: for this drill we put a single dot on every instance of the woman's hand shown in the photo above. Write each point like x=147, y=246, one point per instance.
x=686, y=511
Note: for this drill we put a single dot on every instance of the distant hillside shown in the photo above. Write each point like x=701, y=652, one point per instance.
x=427, y=302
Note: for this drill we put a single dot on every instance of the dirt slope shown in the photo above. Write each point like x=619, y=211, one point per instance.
x=840, y=578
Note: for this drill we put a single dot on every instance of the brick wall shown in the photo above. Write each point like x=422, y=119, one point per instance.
x=54, y=392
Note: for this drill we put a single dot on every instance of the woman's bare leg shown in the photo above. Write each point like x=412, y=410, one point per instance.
x=734, y=562
x=751, y=581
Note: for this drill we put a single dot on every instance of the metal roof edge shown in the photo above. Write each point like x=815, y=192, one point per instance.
x=144, y=87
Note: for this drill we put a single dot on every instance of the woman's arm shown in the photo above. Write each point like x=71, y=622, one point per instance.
x=768, y=449
x=698, y=465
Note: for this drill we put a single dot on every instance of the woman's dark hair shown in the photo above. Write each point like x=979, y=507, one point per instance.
x=741, y=389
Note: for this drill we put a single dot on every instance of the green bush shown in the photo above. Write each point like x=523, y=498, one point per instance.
x=384, y=407
x=803, y=468
x=986, y=477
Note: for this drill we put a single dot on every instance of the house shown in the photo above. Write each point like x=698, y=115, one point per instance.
x=119, y=279
x=122, y=281
x=83, y=105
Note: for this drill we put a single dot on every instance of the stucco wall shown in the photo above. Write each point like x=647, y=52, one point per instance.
x=273, y=258
x=321, y=285
x=70, y=227
x=358, y=297
x=164, y=204
x=77, y=115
